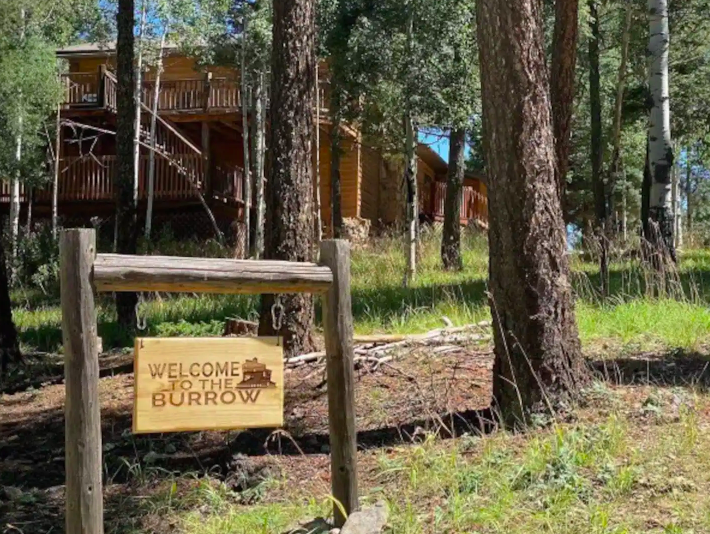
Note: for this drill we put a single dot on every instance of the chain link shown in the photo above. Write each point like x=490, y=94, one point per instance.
x=277, y=315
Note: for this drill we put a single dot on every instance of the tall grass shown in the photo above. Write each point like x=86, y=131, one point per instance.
x=631, y=314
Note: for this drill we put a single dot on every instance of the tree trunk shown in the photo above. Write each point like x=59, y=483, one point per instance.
x=126, y=226
x=678, y=228
x=335, y=156
x=16, y=179
x=646, y=193
x=245, y=136
x=689, y=196
x=412, y=197
x=30, y=203
x=259, y=154
x=660, y=149
x=138, y=100
x=451, y=236
x=153, y=133
x=564, y=59
x=55, y=181
x=615, y=166
x=538, y=359
x=316, y=161
x=289, y=191
x=15, y=192
x=595, y=103
x=9, y=345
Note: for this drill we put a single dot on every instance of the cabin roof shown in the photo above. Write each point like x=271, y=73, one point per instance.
x=101, y=49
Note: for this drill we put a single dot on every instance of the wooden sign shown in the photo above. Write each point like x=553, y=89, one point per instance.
x=207, y=384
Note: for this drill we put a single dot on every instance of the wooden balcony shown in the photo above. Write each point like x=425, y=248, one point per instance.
x=97, y=91
x=90, y=179
x=474, y=205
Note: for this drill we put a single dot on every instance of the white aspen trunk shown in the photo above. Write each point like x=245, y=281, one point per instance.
x=410, y=173
x=153, y=130
x=259, y=147
x=677, y=209
x=624, y=219
x=30, y=202
x=55, y=182
x=15, y=183
x=316, y=166
x=245, y=138
x=139, y=98
x=411, y=199
x=15, y=191
x=660, y=147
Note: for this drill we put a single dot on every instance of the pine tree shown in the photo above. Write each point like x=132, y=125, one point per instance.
x=538, y=358
x=289, y=189
x=126, y=209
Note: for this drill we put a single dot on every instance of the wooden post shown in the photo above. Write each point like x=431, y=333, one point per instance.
x=207, y=91
x=338, y=324
x=84, y=492
x=207, y=160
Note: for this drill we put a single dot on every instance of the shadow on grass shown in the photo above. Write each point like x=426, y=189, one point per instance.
x=676, y=369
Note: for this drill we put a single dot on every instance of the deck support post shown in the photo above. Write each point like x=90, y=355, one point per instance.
x=84, y=490
x=207, y=159
x=338, y=329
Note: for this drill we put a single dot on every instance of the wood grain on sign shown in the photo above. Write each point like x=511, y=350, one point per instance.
x=187, y=384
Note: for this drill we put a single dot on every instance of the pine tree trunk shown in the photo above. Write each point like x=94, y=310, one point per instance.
x=289, y=191
x=451, y=235
x=564, y=59
x=538, y=360
x=595, y=103
x=245, y=137
x=316, y=161
x=660, y=149
x=126, y=225
x=259, y=154
x=335, y=156
x=9, y=345
x=412, y=198
x=153, y=133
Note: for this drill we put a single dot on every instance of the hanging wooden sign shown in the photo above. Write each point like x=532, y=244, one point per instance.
x=187, y=384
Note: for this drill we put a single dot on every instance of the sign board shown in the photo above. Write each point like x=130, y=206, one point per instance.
x=187, y=384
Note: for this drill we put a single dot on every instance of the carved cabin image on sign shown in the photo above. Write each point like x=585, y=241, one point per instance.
x=187, y=384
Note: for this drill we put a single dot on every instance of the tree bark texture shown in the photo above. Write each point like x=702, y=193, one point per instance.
x=564, y=59
x=245, y=136
x=126, y=209
x=259, y=149
x=660, y=147
x=451, y=236
x=9, y=344
x=598, y=185
x=289, y=190
x=335, y=157
x=538, y=361
x=411, y=197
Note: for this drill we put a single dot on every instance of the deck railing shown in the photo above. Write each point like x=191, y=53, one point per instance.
x=474, y=205
x=91, y=179
x=96, y=90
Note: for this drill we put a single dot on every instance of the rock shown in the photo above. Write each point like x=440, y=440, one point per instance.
x=368, y=521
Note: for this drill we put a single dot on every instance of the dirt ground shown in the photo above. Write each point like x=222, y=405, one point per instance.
x=416, y=392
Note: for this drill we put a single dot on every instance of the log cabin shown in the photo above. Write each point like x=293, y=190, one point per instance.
x=200, y=158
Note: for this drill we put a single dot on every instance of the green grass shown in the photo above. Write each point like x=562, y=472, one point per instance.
x=382, y=304
x=621, y=468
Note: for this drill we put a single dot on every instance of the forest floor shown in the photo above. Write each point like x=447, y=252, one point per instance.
x=631, y=459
